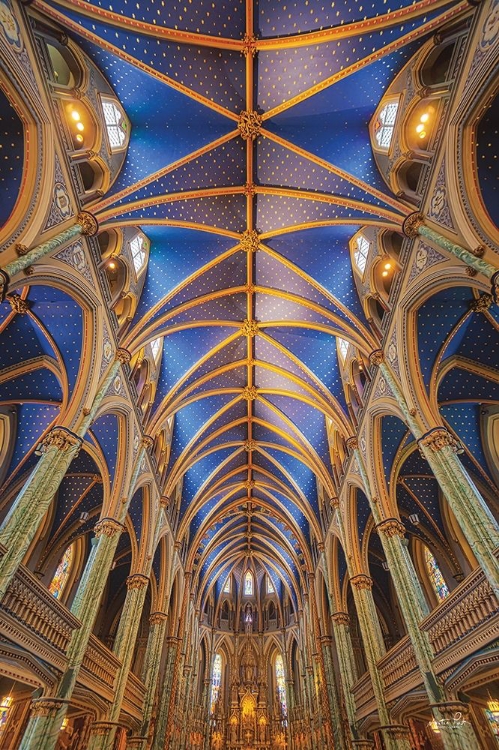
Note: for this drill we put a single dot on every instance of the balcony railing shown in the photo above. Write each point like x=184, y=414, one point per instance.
x=465, y=622
x=32, y=619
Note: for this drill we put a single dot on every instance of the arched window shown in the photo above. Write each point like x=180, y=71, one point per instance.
x=138, y=249
x=156, y=348
x=281, y=683
x=216, y=681
x=361, y=253
x=270, y=586
x=62, y=573
x=116, y=125
x=248, y=583
x=435, y=574
x=343, y=348
x=384, y=125
x=226, y=589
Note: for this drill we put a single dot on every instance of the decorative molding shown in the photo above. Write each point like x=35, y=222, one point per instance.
x=391, y=527
x=60, y=438
x=362, y=582
x=437, y=439
x=108, y=527
x=249, y=124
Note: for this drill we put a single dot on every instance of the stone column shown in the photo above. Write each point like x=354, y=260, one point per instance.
x=414, y=609
x=172, y=646
x=340, y=740
x=440, y=450
x=56, y=451
x=329, y=707
x=414, y=226
x=86, y=224
x=123, y=650
x=85, y=607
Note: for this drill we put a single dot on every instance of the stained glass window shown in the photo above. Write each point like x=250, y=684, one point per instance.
x=62, y=573
x=248, y=584
x=216, y=681
x=227, y=586
x=360, y=255
x=115, y=124
x=156, y=348
x=281, y=683
x=343, y=347
x=385, y=124
x=492, y=714
x=5, y=704
x=436, y=577
x=138, y=252
x=270, y=586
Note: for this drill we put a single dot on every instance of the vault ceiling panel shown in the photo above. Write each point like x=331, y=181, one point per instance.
x=12, y=173
x=193, y=417
x=268, y=351
x=106, y=432
x=460, y=385
x=275, y=213
x=32, y=420
x=44, y=387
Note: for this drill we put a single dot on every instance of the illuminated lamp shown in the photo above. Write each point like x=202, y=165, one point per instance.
x=80, y=126
x=75, y=115
x=79, y=138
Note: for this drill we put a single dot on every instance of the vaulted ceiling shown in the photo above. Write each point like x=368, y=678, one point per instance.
x=249, y=217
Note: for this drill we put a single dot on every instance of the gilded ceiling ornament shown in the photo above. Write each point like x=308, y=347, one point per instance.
x=250, y=289
x=249, y=45
x=147, y=442
x=21, y=250
x=108, y=526
x=481, y=303
x=439, y=438
x=88, y=222
x=249, y=189
x=249, y=327
x=123, y=355
x=412, y=223
x=249, y=484
x=249, y=124
x=352, y=443
x=362, y=582
x=249, y=445
x=377, y=357
x=17, y=303
x=249, y=240
x=249, y=393
x=391, y=527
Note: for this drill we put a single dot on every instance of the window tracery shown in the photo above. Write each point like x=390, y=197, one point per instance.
x=343, y=348
x=138, y=249
x=361, y=253
x=116, y=125
x=385, y=124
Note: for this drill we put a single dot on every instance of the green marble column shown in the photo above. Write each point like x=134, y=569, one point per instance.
x=340, y=740
x=123, y=649
x=57, y=450
x=172, y=645
x=440, y=449
x=329, y=707
x=414, y=226
x=152, y=663
x=86, y=224
x=85, y=606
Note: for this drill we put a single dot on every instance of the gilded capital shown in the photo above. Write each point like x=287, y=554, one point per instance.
x=249, y=124
x=481, y=303
x=164, y=501
x=123, y=355
x=108, y=527
x=147, y=442
x=334, y=502
x=249, y=393
x=137, y=581
x=62, y=439
x=46, y=706
x=362, y=582
x=340, y=618
x=377, y=357
x=437, y=439
x=391, y=527
x=412, y=223
x=88, y=223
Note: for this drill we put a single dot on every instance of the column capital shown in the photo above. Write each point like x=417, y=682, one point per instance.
x=88, y=222
x=326, y=640
x=340, y=618
x=103, y=728
x=123, y=355
x=147, y=442
x=108, y=526
x=391, y=527
x=156, y=618
x=411, y=224
x=377, y=357
x=46, y=706
x=60, y=438
x=17, y=303
x=362, y=581
x=164, y=501
x=334, y=502
x=438, y=438
x=395, y=731
x=137, y=581
x=352, y=443
x=452, y=711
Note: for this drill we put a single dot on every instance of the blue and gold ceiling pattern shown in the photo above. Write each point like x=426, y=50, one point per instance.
x=250, y=367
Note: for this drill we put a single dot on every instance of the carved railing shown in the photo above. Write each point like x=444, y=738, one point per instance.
x=465, y=622
x=32, y=619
